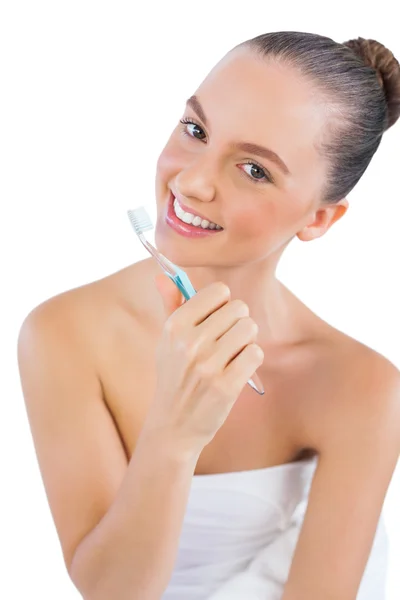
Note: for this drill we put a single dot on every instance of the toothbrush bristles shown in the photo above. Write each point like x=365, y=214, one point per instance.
x=140, y=220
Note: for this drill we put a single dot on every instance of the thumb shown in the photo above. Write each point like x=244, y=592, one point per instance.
x=170, y=294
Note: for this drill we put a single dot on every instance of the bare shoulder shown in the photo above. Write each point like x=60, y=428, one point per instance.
x=56, y=321
x=98, y=335
x=363, y=393
x=365, y=371
x=88, y=310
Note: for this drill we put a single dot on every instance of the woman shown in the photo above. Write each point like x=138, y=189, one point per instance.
x=167, y=476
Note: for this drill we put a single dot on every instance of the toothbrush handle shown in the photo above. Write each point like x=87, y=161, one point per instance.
x=256, y=383
x=185, y=286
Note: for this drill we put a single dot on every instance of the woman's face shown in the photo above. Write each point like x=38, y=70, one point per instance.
x=244, y=157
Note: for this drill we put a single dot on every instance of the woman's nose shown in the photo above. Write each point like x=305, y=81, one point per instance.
x=196, y=181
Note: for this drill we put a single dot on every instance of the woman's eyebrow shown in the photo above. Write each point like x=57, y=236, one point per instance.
x=263, y=152
x=256, y=149
x=194, y=103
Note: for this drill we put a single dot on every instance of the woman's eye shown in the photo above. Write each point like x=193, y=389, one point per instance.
x=255, y=171
x=193, y=129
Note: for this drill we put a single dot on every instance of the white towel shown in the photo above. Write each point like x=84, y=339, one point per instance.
x=265, y=577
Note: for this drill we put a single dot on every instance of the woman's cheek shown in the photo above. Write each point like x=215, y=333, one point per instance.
x=250, y=222
x=169, y=163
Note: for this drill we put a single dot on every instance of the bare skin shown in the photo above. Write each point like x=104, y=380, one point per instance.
x=326, y=393
x=260, y=431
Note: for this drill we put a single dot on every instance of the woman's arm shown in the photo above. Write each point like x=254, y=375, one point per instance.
x=355, y=466
x=357, y=460
x=118, y=523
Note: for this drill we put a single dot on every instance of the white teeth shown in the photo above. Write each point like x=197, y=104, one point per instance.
x=186, y=217
x=196, y=221
x=192, y=219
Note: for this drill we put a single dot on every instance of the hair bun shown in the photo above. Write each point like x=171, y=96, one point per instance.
x=387, y=68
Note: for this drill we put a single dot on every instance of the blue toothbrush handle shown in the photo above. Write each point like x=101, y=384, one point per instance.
x=185, y=286
x=183, y=282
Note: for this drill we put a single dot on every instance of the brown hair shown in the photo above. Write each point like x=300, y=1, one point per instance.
x=361, y=81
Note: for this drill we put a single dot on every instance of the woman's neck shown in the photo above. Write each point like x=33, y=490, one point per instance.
x=271, y=305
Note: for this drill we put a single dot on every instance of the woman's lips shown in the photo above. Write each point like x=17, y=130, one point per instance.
x=185, y=229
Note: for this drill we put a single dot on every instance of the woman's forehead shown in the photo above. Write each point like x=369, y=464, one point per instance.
x=245, y=95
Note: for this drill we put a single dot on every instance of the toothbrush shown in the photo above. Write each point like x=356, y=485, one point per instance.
x=141, y=222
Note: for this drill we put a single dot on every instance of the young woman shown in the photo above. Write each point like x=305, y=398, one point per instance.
x=167, y=476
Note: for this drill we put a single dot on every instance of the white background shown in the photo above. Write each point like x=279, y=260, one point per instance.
x=89, y=93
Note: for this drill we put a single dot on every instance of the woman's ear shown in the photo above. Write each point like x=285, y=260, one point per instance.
x=324, y=218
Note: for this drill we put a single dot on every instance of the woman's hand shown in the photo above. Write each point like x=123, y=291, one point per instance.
x=205, y=356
